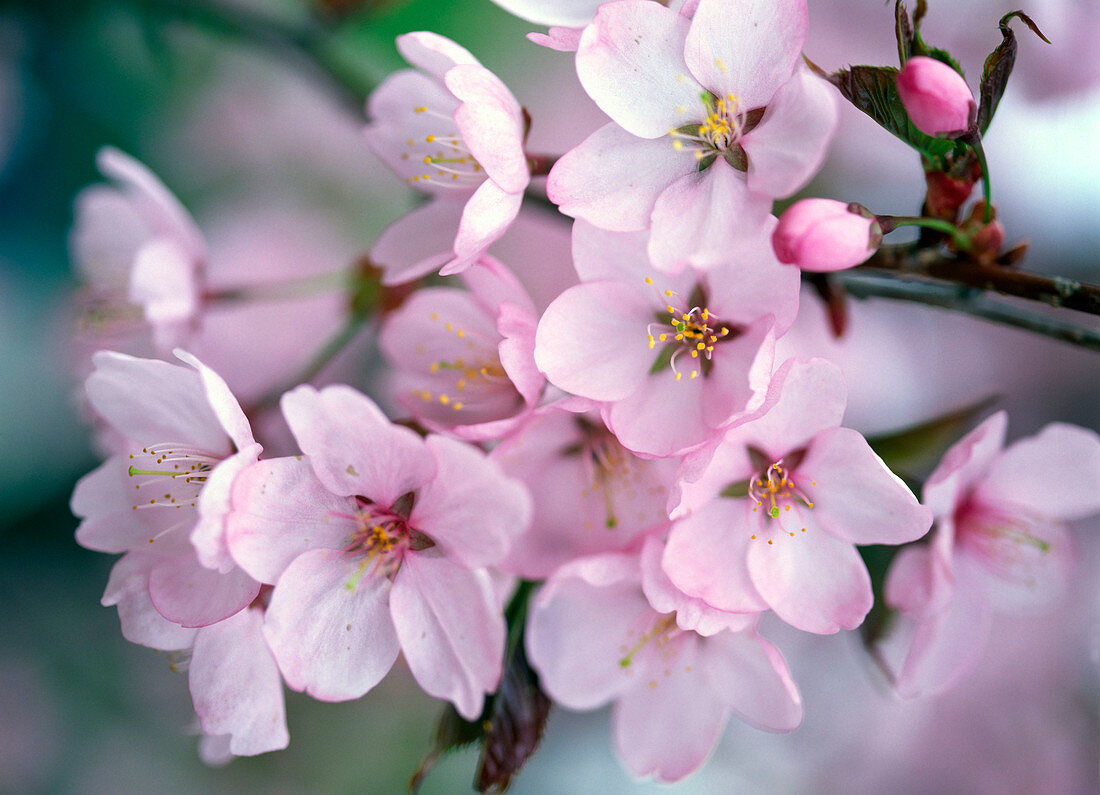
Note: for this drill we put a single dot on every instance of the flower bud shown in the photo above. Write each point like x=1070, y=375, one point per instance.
x=936, y=97
x=826, y=235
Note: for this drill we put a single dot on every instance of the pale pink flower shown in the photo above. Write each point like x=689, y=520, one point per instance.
x=674, y=359
x=711, y=120
x=999, y=543
x=823, y=235
x=134, y=243
x=590, y=493
x=936, y=97
x=567, y=19
x=376, y=542
x=795, y=493
x=452, y=129
x=464, y=360
x=594, y=638
x=184, y=439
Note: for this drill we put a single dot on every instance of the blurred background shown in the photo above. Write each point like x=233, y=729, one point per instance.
x=251, y=112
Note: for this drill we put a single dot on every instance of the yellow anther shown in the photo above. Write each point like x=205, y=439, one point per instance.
x=429, y=139
x=648, y=280
x=457, y=406
x=444, y=399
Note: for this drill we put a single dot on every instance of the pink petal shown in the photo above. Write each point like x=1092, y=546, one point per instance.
x=208, y=536
x=948, y=644
x=692, y=218
x=558, y=38
x=163, y=281
x=601, y=254
x=963, y=465
x=128, y=588
x=451, y=629
x=518, y=326
x=804, y=398
x=104, y=501
x=706, y=557
x=747, y=48
x=855, y=496
x=471, y=509
x=667, y=727
x=814, y=581
x=486, y=216
x=191, y=595
x=600, y=180
x=578, y=630
x=153, y=402
x=221, y=400
x=691, y=613
x=235, y=685
x=789, y=144
x=631, y=62
x=419, y=242
x=916, y=584
x=592, y=340
x=491, y=123
x=433, y=53
x=280, y=510
x=1021, y=476
x=353, y=447
x=574, y=13
x=1023, y=567
x=662, y=416
x=752, y=677
x=752, y=283
x=333, y=641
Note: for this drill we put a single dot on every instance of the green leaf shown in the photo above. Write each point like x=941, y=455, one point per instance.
x=877, y=558
x=874, y=90
x=736, y=490
x=998, y=67
x=914, y=451
x=452, y=732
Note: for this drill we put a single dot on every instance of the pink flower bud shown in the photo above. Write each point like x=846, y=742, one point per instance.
x=825, y=235
x=936, y=97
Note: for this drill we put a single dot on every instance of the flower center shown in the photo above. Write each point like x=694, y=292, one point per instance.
x=660, y=634
x=774, y=491
x=380, y=539
x=1005, y=544
x=465, y=383
x=718, y=133
x=692, y=332
x=170, y=475
x=448, y=163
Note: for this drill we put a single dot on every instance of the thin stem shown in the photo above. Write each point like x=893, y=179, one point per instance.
x=974, y=141
x=891, y=222
x=290, y=289
x=968, y=300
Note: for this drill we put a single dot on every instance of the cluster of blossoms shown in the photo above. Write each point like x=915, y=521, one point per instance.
x=634, y=446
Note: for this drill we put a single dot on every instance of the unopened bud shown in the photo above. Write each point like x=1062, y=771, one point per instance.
x=826, y=235
x=936, y=97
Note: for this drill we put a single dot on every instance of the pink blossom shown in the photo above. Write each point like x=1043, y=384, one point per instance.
x=590, y=493
x=593, y=638
x=185, y=438
x=464, y=359
x=666, y=385
x=134, y=243
x=710, y=121
x=376, y=542
x=999, y=543
x=825, y=235
x=936, y=97
x=796, y=492
x=452, y=129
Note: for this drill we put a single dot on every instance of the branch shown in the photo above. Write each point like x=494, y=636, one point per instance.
x=862, y=283
x=930, y=264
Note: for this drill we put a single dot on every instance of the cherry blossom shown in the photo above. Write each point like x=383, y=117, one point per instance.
x=706, y=115
x=135, y=244
x=595, y=639
x=464, y=359
x=999, y=543
x=376, y=541
x=795, y=493
x=590, y=493
x=452, y=129
x=674, y=359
